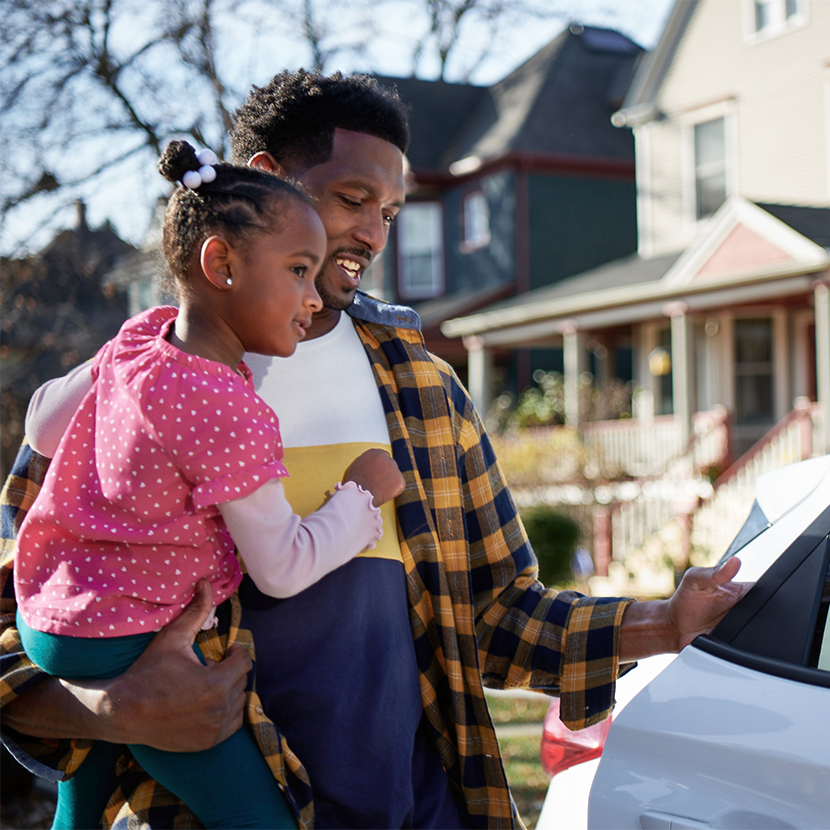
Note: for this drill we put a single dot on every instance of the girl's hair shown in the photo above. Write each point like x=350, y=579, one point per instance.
x=239, y=203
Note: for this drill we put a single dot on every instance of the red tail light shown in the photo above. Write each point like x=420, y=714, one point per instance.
x=562, y=748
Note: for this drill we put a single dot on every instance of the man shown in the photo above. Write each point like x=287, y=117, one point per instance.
x=375, y=674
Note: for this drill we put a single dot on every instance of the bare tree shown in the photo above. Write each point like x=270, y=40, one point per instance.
x=475, y=28
x=90, y=90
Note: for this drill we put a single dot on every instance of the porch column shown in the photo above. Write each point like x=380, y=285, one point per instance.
x=681, y=354
x=821, y=292
x=575, y=359
x=479, y=373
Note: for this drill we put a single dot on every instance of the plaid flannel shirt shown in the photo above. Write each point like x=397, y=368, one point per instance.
x=479, y=616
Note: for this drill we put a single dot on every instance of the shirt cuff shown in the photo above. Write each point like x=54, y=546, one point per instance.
x=590, y=665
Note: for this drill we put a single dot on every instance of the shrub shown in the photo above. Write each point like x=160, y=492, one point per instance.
x=554, y=536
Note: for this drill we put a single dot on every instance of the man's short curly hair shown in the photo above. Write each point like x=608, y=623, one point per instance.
x=294, y=117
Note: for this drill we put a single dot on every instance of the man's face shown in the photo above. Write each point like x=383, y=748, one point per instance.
x=357, y=193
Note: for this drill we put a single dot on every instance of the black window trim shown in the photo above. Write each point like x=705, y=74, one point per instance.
x=718, y=642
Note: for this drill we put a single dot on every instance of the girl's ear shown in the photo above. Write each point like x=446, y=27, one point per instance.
x=218, y=262
x=263, y=160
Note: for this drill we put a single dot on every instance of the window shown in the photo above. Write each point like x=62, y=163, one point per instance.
x=754, y=398
x=420, y=250
x=709, y=166
x=768, y=18
x=476, y=221
x=762, y=14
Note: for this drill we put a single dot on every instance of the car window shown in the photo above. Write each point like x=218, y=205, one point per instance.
x=820, y=651
x=781, y=625
x=752, y=528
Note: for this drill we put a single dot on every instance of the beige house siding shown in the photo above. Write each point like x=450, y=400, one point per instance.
x=773, y=92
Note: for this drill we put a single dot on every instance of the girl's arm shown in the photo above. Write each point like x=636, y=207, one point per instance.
x=285, y=554
x=52, y=406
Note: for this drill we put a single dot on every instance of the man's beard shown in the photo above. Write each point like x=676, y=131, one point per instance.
x=335, y=302
x=339, y=300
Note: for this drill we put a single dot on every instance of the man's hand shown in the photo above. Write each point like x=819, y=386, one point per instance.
x=167, y=699
x=700, y=602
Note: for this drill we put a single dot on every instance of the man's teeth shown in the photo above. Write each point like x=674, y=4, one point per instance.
x=350, y=266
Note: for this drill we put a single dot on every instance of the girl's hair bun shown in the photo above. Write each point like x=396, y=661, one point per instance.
x=178, y=158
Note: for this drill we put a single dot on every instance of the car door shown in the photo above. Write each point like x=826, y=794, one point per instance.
x=735, y=732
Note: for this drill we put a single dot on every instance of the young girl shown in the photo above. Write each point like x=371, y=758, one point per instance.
x=170, y=458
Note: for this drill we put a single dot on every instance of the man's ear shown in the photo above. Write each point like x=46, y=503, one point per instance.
x=218, y=262
x=265, y=161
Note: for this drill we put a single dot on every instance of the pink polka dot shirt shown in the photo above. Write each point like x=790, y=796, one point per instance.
x=126, y=522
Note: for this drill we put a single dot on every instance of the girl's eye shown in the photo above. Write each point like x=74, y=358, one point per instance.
x=300, y=270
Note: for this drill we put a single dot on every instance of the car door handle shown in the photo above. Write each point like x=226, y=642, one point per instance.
x=653, y=820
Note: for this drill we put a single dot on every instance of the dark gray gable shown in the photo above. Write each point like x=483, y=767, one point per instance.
x=438, y=111
x=811, y=222
x=559, y=102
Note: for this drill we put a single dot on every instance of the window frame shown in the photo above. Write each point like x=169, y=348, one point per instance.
x=780, y=22
x=406, y=290
x=727, y=110
x=754, y=368
x=468, y=241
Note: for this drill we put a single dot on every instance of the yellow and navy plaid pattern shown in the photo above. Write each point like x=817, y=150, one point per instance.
x=479, y=616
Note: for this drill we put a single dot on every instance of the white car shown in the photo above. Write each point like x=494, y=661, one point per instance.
x=734, y=732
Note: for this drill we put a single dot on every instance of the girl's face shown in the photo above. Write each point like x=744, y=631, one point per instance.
x=273, y=295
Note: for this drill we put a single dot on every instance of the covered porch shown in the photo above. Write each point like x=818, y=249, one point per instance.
x=729, y=348
x=739, y=320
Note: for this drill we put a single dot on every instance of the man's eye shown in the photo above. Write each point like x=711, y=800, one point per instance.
x=350, y=202
x=389, y=220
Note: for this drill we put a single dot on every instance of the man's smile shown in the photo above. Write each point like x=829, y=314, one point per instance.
x=351, y=265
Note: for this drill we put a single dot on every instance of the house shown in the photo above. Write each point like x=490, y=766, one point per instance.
x=506, y=186
x=725, y=306
x=509, y=184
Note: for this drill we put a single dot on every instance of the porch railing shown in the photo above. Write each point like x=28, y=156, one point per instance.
x=718, y=520
x=676, y=490
x=648, y=448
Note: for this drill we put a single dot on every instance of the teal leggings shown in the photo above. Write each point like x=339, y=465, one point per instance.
x=228, y=786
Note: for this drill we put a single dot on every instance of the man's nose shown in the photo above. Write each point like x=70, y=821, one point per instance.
x=372, y=232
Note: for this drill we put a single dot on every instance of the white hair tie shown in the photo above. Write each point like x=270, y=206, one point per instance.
x=206, y=172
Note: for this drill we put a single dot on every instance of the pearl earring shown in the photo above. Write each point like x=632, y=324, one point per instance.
x=228, y=281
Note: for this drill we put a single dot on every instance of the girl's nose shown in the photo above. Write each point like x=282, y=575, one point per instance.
x=312, y=298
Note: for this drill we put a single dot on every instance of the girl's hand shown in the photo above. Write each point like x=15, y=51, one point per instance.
x=376, y=471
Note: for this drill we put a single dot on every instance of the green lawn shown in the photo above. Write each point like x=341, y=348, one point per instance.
x=505, y=709
x=528, y=781
x=520, y=753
